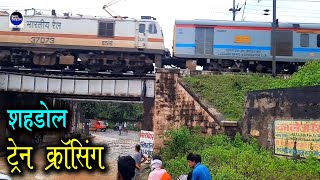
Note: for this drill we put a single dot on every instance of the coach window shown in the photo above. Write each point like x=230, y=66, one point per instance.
x=110, y=29
x=304, y=40
x=152, y=29
x=142, y=28
x=106, y=29
x=318, y=40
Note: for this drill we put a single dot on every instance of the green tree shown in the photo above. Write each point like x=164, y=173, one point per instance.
x=89, y=109
x=112, y=111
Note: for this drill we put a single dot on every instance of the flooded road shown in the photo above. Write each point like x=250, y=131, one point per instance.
x=118, y=145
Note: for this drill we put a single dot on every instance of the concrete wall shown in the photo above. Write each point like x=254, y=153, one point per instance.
x=147, y=119
x=262, y=108
x=15, y=101
x=4, y=99
x=176, y=106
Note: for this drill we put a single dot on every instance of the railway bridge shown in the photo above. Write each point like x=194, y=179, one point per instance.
x=25, y=89
x=168, y=103
x=77, y=86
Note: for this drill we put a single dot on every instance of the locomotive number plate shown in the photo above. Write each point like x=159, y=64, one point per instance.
x=42, y=40
x=107, y=43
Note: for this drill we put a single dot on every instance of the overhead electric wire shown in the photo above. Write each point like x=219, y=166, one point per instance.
x=279, y=6
x=281, y=11
x=315, y=1
x=270, y=1
x=279, y=15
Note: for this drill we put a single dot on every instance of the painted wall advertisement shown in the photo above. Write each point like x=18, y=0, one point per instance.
x=146, y=142
x=297, y=138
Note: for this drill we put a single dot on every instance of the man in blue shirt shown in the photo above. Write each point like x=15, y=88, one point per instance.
x=200, y=171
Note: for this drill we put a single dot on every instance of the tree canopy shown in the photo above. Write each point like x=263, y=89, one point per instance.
x=115, y=112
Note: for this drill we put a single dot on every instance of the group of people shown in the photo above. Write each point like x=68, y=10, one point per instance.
x=129, y=167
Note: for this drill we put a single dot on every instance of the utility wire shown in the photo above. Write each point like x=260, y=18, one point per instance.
x=298, y=12
x=281, y=11
x=283, y=8
x=262, y=14
x=292, y=1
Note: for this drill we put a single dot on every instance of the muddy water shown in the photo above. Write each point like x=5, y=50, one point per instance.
x=118, y=144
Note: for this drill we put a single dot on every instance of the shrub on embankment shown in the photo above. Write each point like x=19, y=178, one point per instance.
x=233, y=159
x=227, y=92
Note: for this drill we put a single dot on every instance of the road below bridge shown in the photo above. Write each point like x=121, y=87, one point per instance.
x=119, y=145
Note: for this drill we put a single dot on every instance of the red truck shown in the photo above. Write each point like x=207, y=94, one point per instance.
x=97, y=125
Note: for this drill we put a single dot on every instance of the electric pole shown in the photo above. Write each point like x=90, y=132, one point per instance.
x=273, y=38
x=234, y=10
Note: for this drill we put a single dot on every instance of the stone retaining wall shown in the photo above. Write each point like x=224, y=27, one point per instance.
x=176, y=106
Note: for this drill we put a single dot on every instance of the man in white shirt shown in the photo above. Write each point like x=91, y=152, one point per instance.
x=125, y=127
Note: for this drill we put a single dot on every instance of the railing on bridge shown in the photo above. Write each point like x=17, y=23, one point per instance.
x=101, y=87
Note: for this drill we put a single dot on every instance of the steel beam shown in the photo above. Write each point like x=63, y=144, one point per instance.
x=91, y=86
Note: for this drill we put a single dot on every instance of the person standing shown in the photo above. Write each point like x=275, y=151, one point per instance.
x=200, y=171
x=157, y=171
x=126, y=168
x=120, y=128
x=139, y=159
x=116, y=128
x=125, y=127
x=139, y=125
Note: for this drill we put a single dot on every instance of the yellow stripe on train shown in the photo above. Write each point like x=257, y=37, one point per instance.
x=120, y=42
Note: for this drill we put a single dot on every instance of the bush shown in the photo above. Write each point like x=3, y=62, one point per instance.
x=233, y=158
x=182, y=142
x=308, y=75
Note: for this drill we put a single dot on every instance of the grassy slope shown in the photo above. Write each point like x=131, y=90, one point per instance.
x=227, y=92
x=235, y=159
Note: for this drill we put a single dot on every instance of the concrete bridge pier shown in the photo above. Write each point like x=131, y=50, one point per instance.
x=165, y=96
x=4, y=100
x=15, y=101
x=147, y=119
x=25, y=101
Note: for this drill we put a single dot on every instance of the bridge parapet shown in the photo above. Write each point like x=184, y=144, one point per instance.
x=122, y=87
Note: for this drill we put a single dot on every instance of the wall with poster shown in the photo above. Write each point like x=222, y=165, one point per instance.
x=147, y=142
x=285, y=120
x=297, y=138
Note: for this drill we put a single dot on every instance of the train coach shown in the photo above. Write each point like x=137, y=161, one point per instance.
x=118, y=44
x=243, y=46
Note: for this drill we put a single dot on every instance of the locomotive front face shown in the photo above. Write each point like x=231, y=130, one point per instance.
x=77, y=42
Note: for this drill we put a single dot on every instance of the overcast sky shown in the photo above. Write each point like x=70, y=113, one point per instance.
x=166, y=11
